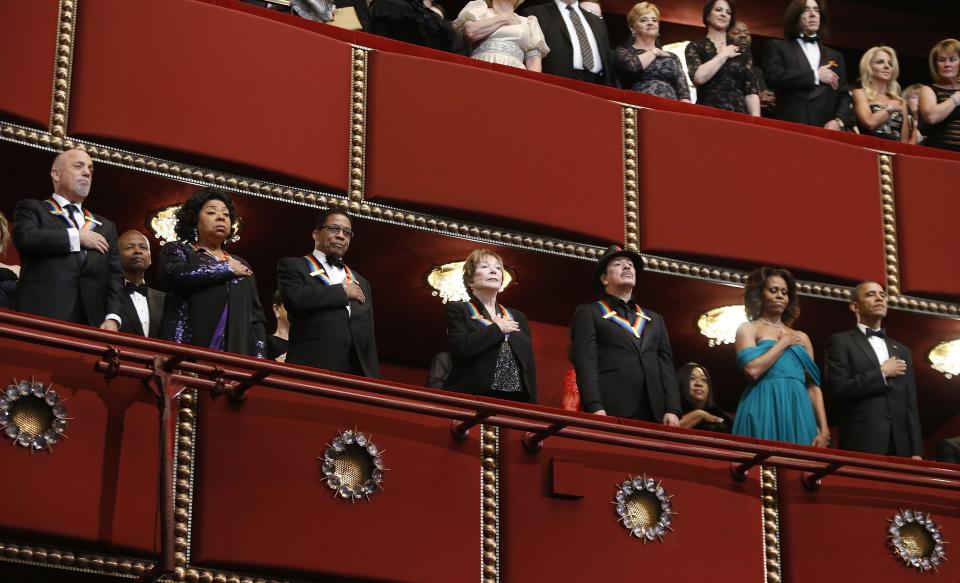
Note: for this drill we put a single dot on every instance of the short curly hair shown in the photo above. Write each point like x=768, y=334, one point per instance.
x=189, y=212
x=753, y=293
x=473, y=260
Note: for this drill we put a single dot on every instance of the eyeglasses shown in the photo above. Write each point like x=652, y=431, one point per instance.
x=337, y=229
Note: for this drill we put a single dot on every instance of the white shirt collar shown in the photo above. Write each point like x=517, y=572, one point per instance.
x=64, y=202
x=322, y=258
x=863, y=328
x=563, y=5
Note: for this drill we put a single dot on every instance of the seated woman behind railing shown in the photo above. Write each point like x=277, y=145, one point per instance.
x=8, y=273
x=497, y=34
x=880, y=110
x=643, y=66
x=696, y=392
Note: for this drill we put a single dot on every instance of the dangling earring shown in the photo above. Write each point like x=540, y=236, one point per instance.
x=195, y=235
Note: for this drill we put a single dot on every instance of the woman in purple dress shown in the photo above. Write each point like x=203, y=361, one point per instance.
x=212, y=296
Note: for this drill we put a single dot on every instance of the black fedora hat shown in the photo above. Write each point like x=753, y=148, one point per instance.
x=612, y=252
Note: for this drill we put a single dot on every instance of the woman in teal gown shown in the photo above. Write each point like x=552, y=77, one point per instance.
x=783, y=401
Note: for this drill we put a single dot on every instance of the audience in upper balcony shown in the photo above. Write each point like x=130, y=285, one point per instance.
x=641, y=65
x=141, y=307
x=330, y=306
x=418, y=22
x=212, y=298
x=8, y=273
x=722, y=73
x=940, y=102
x=783, y=400
x=911, y=100
x=879, y=109
x=490, y=344
x=809, y=78
x=740, y=35
x=696, y=392
x=497, y=34
x=621, y=352
x=872, y=376
x=279, y=342
x=578, y=40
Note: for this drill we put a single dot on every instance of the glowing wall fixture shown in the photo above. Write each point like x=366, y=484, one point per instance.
x=163, y=223
x=945, y=357
x=447, y=281
x=720, y=324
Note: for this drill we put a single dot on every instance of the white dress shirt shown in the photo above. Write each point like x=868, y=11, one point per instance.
x=334, y=274
x=143, y=309
x=879, y=346
x=812, y=52
x=72, y=231
x=577, y=57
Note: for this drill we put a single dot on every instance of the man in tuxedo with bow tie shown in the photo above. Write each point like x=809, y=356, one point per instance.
x=71, y=266
x=621, y=352
x=141, y=307
x=329, y=305
x=578, y=40
x=871, y=376
x=808, y=78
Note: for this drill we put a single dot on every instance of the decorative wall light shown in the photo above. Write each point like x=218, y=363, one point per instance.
x=945, y=357
x=352, y=466
x=916, y=539
x=163, y=224
x=32, y=415
x=447, y=281
x=720, y=324
x=644, y=508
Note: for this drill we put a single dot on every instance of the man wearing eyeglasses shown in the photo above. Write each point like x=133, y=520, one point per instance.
x=329, y=305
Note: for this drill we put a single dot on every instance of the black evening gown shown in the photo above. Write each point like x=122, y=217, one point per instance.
x=663, y=78
x=731, y=84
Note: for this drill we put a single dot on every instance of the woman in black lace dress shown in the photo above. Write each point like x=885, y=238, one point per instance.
x=880, y=110
x=722, y=74
x=641, y=65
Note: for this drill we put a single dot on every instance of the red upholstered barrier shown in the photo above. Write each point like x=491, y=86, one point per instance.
x=26, y=79
x=190, y=77
x=928, y=205
x=729, y=191
x=459, y=138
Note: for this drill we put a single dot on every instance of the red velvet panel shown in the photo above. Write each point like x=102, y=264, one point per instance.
x=550, y=539
x=99, y=485
x=197, y=79
x=839, y=533
x=261, y=502
x=28, y=48
x=927, y=211
x=454, y=138
x=729, y=191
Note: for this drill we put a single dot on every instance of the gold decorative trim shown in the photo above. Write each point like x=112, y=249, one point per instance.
x=889, y=209
x=489, y=504
x=769, y=492
x=62, y=71
x=45, y=556
x=631, y=200
x=183, y=480
x=432, y=223
x=358, y=124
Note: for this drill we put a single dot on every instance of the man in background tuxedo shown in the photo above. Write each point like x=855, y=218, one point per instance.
x=809, y=79
x=740, y=35
x=578, y=40
x=329, y=305
x=872, y=377
x=141, y=307
x=71, y=267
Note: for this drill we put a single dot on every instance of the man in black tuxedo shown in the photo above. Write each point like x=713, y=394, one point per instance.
x=872, y=377
x=71, y=267
x=329, y=305
x=809, y=79
x=141, y=307
x=621, y=352
x=578, y=40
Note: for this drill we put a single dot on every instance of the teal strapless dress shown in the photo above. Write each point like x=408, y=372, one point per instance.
x=777, y=405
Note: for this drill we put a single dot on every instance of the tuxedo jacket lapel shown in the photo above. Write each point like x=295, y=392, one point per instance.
x=802, y=56
x=155, y=304
x=559, y=23
x=860, y=339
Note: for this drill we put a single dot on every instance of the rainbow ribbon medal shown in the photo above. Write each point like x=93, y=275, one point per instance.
x=316, y=270
x=56, y=209
x=476, y=315
x=638, y=324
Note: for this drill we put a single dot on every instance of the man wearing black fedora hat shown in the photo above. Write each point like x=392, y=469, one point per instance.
x=621, y=352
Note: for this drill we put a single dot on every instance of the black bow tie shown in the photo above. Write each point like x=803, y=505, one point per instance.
x=881, y=333
x=334, y=262
x=132, y=287
x=810, y=39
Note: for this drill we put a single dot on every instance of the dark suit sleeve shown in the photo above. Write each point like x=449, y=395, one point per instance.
x=840, y=379
x=668, y=374
x=528, y=341
x=115, y=277
x=181, y=272
x=258, y=323
x=467, y=341
x=913, y=414
x=583, y=335
x=777, y=74
x=30, y=235
x=373, y=359
x=948, y=450
x=844, y=109
x=302, y=296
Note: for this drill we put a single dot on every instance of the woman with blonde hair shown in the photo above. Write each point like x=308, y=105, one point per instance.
x=8, y=273
x=940, y=102
x=643, y=66
x=880, y=110
x=497, y=34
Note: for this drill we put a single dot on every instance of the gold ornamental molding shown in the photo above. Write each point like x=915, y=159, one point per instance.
x=631, y=196
x=490, y=504
x=769, y=492
x=183, y=480
x=357, y=155
x=63, y=69
x=58, y=558
x=889, y=209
